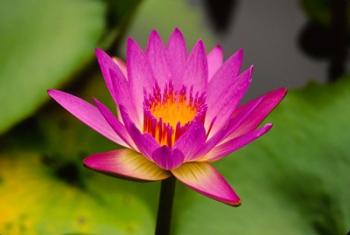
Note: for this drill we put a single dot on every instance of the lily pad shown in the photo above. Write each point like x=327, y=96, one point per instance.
x=42, y=44
x=293, y=181
x=38, y=198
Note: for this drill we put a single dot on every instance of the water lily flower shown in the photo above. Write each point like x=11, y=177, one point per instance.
x=178, y=111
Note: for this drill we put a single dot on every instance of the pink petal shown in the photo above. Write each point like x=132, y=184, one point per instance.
x=116, y=83
x=215, y=60
x=156, y=55
x=140, y=76
x=122, y=66
x=86, y=113
x=106, y=64
x=167, y=158
x=247, y=117
x=211, y=143
x=126, y=164
x=144, y=142
x=192, y=140
x=223, y=99
x=205, y=179
x=117, y=126
x=177, y=55
x=196, y=70
x=224, y=149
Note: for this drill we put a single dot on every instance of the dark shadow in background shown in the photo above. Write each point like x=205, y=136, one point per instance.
x=339, y=30
x=328, y=42
x=315, y=41
x=220, y=13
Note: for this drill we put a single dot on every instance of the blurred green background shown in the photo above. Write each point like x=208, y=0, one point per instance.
x=294, y=181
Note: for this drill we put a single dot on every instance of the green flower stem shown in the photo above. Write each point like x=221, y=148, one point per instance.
x=165, y=206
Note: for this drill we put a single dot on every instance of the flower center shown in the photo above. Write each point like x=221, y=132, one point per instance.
x=168, y=114
x=173, y=111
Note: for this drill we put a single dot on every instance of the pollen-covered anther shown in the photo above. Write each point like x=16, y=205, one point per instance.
x=168, y=113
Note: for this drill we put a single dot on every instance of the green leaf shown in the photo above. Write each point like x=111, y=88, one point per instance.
x=42, y=44
x=319, y=11
x=39, y=197
x=295, y=180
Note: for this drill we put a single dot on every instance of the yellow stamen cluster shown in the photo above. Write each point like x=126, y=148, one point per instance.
x=173, y=112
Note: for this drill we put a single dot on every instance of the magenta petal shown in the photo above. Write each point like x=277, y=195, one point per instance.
x=224, y=149
x=192, y=140
x=86, y=113
x=122, y=90
x=223, y=101
x=196, y=70
x=144, y=142
x=247, y=117
x=156, y=55
x=122, y=66
x=126, y=164
x=106, y=64
x=215, y=60
x=211, y=143
x=116, y=83
x=205, y=179
x=139, y=74
x=177, y=55
x=117, y=126
x=167, y=158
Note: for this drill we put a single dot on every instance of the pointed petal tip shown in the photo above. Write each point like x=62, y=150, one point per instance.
x=154, y=40
x=98, y=50
x=49, y=91
x=278, y=94
x=102, y=57
x=218, y=50
x=268, y=125
x=154, y=36
x=200, y=44
x=231, y=200
x=199, y=48
x=250, y=72
x=266, y=128
x=235, y=202
x=240, y=54
x=177, y=31
x=283, y=90
x=177, y=36
x=154, y=33
x=89, y=162
x=53, y=93
x=131, y=42
x=100, y=53
x=219, y=47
